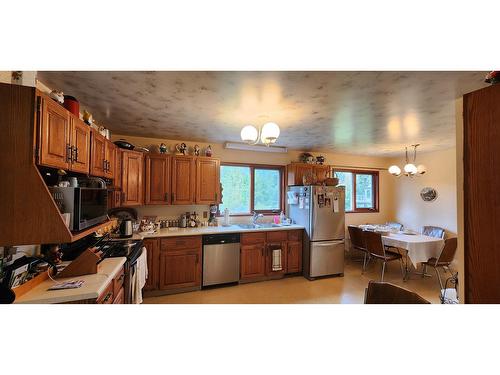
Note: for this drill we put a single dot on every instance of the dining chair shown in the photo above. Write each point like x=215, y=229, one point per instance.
x=380, y=292
x=358, y=242
x=394, y=225
x=377, y=250
x=431, y=231
x=444, y=260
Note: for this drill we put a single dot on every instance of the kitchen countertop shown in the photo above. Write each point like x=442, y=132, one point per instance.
x=169, y=232
x=92, y=288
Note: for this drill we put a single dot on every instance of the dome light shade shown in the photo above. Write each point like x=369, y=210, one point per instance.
x=421, y=169
x=394, y=170
x=410, y=168
x=249, y=134
x=270, y=133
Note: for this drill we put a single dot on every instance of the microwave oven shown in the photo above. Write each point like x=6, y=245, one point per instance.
x=87, y=206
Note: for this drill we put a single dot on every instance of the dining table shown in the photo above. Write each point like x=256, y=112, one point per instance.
x=419, y=247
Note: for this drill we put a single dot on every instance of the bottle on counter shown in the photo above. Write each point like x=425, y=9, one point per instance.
x=183, y=223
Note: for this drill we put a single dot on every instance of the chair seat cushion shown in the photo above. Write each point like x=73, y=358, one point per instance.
x=432, y=262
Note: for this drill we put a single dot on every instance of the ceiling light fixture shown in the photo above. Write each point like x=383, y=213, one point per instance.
x=410, y=169
x=268, y=134
x=253, y=147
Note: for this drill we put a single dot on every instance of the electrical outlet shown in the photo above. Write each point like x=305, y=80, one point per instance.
x=205, y=214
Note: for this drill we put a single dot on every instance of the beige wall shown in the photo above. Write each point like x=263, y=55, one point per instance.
x=386, y=181
x=460, y=257
x=411, y=210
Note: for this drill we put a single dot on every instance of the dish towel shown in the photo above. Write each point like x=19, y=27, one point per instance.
x=277, y=260
x=140, y=276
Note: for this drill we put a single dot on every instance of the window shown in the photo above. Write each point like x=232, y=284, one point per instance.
x=361, y=190
x=248, y=188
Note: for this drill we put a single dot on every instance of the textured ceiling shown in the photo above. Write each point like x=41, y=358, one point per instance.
x=371, y=113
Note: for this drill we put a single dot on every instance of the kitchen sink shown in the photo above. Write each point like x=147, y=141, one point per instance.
x=258, y=226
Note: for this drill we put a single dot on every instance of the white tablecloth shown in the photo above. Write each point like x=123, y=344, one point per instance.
x=420, y=248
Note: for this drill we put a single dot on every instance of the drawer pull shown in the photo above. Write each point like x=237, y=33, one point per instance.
x=108, y=296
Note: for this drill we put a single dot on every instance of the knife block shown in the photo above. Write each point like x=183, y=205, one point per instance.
x=85, y=264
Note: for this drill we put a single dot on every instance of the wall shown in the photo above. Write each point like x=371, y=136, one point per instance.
x=441, y=175
x=460, y=256
x=236, y=156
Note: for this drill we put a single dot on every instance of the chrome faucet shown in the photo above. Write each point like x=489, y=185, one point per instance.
x=255, y=217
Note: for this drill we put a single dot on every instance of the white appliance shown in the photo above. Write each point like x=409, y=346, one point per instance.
x=321, y=210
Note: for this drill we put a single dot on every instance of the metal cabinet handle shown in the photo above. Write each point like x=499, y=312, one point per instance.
x=108, y=296
x=69, y=153
x=166, y=197
x=123, y=196
x=75, y=158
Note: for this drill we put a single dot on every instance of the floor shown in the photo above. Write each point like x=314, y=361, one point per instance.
x=347, y=289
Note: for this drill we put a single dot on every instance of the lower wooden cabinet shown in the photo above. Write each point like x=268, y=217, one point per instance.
x=153, y=256
x=180, y=263
x=252, y=261
x=294, y=257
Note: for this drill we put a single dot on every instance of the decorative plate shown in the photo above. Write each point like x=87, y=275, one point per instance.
x=428, y=194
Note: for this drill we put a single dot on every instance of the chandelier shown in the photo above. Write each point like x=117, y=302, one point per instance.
x=410, y=169
x=268, y=134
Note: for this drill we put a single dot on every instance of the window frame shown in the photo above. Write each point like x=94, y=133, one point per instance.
x=375, y=194
x=252, y=167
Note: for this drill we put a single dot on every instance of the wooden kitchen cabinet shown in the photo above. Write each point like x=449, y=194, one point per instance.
x=180, y=263
x=157, y=179
x=109, y=159
x=97, y=154
x=54, y=134
x=117, y=181
x=132, y=178
x=294, y=257
x=80, y=143
x=252, y=256
x=183, y=179
x=296, y=172
x=207, y=180
x=153, y=257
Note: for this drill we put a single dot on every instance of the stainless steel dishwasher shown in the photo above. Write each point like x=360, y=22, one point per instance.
x=221, y=258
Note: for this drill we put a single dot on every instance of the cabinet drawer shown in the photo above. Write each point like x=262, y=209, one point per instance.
x=118, y=282
x=295, y=235
x=106, y=296
x=178, y=243
x=119, y=299
x=276, y=236
x=251, y=238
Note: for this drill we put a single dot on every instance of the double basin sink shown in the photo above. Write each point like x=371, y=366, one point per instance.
x=259, y=226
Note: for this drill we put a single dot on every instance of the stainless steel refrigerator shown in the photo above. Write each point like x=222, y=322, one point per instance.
x=321, y=210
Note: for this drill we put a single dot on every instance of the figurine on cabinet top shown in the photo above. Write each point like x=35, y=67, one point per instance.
x=197, y=150
x=208, y=151
x=181, y=148
x=163, y=148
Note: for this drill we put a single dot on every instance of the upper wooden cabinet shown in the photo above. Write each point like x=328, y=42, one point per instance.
x=80, y=136
x=132, y=178
x=296, y=172
x=117, y=182
x=97, y=154
x=183, y=179
x=63, y=139
x=54, y=134
x=207, y=180
x=158, y=170
x=109, y=159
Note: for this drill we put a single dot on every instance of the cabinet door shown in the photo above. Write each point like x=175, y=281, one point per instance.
x=109, y=157
x=117, y=181
x=296, y=172
x=294, y=256
x=153, y=257
x=253, y=261
x=180, y=269
x=132, y=185
x=322, y=172
x=80, y=140
x=157, y=179
x=183, y=180
x=54, y=136
x=97, y=154
x=207, y=180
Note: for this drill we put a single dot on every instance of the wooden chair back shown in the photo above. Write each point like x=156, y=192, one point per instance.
x=433, y=231
x=380, y=292
x=356, y=235
x=448, y=252
x=373, y=243
x=394, y=225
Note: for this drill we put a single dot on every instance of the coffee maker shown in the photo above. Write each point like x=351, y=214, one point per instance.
x=213, y=212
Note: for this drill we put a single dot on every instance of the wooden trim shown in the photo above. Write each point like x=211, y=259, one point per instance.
x=280, y=168
x=375, y=193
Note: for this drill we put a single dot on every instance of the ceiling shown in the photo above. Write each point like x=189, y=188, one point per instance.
x=370, y=113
